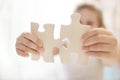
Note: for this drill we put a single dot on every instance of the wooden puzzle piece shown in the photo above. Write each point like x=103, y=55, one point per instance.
x=48, y=40
x=73, y=32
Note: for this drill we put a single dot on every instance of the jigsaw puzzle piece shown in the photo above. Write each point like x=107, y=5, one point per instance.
x=73, y=32
x=50, y=43
x=47, y=38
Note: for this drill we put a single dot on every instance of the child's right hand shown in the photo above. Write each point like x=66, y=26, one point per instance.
x=27, y=42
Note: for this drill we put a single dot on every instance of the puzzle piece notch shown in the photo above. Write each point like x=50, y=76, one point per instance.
x=73, y=32
x=47, y=38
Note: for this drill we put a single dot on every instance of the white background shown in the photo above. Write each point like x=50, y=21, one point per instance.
x=15, y=18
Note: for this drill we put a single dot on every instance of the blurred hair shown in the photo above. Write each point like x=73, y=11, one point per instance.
x=94, y=9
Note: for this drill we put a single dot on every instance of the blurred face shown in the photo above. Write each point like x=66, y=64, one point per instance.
x=89, y=17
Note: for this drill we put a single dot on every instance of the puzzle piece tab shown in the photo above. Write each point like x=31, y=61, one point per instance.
x=73, y=32
x=47, y=38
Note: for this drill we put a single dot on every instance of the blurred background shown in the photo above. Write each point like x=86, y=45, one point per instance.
x=15, y=18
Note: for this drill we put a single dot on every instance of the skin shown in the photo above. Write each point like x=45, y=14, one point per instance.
x=98, y=42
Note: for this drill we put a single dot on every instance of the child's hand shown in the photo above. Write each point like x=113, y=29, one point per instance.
x=102, y=44
x=26, y=43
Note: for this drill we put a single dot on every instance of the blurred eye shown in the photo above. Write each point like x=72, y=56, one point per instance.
x=89, y=23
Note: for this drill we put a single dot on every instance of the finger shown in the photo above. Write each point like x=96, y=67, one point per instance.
x=98, y=39
x=36, y=41
x=26, y=49
x=98, y=47
x=40, y=49
x=22, y=53
x=98, y=54
x=27, y=43
x=95, y=31
x=32, y=38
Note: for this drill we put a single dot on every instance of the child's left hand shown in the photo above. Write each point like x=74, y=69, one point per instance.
x=102, y=44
